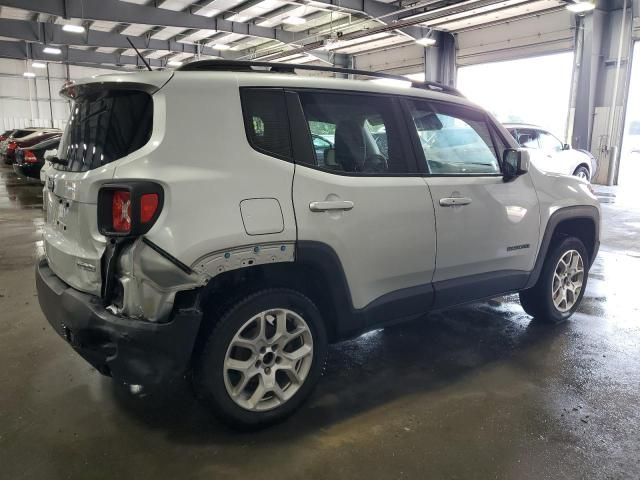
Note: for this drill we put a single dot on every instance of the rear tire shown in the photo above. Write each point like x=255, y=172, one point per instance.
x=262, y=359
x=560, y=287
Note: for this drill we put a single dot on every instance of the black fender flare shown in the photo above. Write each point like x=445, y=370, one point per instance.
x=588, y=212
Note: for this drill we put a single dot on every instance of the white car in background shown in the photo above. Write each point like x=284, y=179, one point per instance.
x=548, y=153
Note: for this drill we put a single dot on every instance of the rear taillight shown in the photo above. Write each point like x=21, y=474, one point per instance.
x=121, y=211
x=148, y=206
x=12, y=146
x=128, y=209
x=29, y=157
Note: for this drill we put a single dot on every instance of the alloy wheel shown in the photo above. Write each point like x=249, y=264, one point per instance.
x=268, y=360
x=568, y=278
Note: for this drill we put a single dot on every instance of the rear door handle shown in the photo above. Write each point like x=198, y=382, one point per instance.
x=330, y=205
x=454, y=201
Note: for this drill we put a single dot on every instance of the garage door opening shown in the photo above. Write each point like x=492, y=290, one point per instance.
x=532, y=90
x=630, y=154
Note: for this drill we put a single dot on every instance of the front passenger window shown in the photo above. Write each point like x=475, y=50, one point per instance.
x=455, y=140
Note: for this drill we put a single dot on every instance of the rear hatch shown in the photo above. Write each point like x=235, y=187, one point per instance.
x=112, y=118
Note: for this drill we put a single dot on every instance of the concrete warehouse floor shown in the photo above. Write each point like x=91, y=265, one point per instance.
x=476, y=392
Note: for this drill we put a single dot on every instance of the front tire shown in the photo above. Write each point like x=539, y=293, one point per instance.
x=560, y=287
x=263, y=358
x=582, y=172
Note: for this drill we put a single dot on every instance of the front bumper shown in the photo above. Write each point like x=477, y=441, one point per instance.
x=132, y=351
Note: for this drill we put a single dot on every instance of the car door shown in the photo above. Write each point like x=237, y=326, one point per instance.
x=487, y=228
x=364, y=200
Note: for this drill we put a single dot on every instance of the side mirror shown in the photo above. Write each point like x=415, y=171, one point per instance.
x=566, y=146
x=515, y=162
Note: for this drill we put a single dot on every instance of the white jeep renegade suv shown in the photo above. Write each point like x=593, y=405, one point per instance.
x=193, y=226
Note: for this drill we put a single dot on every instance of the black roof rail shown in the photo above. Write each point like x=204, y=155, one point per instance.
x=247, y=66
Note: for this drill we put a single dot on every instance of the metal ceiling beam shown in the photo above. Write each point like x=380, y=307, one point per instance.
x=51, y=33
x=375, y=10
x=124, y=12
x=23, y=50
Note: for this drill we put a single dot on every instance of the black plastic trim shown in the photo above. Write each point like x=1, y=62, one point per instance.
x=185, y=268
x=405, y=303
x=301, y=143
x=567, y=213
x=136, y=189
x=132, y=351
x=471, y=288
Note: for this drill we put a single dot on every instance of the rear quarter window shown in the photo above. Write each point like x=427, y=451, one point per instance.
x=266, y=121
x=106, y=126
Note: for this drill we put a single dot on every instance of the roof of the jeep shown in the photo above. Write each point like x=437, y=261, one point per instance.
x=523, y=125
x=158, y=79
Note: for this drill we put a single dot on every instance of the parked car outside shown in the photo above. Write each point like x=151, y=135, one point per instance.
x=236, y=265
x=24, y=138
x=30, y=160
x=550, y=154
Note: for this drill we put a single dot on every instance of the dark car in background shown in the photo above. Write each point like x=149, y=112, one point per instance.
x=30, y=160
x=6, y=134
x=25, y=137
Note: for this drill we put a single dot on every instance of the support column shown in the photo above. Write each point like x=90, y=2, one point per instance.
x=440, y=60
x=589, y=31
x=599, y=90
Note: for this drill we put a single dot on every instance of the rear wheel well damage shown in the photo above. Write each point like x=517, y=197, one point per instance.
x=228, y=288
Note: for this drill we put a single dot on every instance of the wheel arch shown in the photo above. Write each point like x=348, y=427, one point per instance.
x=582, y=222
x=316, y=272
x=585, y=165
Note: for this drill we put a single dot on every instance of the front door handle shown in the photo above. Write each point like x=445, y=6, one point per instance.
x=330, y=205
x=454, y=201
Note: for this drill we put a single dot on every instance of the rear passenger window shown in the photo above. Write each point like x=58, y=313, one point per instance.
x=356, y=134
x=455, y=140
x=266, y=121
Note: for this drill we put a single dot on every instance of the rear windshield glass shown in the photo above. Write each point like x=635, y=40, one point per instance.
x=22, y=133
x=106, y=126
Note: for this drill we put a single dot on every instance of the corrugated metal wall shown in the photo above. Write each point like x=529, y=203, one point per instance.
x=24, y=102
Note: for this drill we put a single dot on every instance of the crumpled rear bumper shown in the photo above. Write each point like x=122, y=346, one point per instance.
x=132, y=351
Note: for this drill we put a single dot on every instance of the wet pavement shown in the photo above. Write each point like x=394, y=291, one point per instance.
x=476, y=392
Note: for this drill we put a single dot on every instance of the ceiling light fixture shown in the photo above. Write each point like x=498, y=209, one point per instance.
x=581, y=7
x=38, y=65
x=29, y=74
x=220, y=46
x=293, y=20
x=174, y=63
x=52, y=50
x=73, y=28
x=426, y=42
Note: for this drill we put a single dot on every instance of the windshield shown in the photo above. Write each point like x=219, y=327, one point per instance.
x=106, y=126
